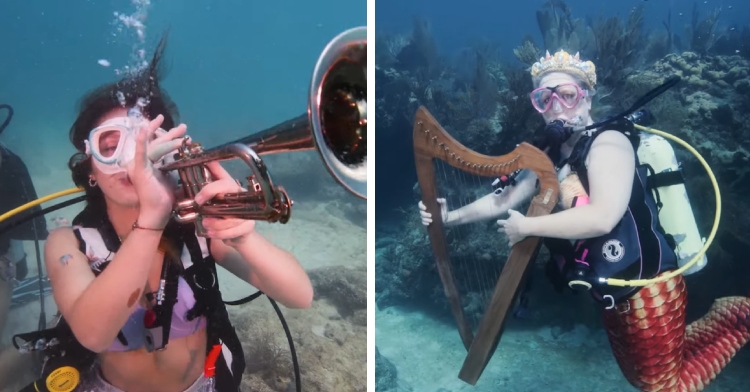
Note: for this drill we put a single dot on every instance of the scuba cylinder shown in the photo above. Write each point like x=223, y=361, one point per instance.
x=668, y=188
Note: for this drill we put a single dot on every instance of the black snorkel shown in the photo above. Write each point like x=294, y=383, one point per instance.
x=628, y=114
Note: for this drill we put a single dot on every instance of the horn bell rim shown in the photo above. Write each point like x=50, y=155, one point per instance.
x=351, y=177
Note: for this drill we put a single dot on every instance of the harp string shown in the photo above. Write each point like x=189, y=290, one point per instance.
x=465, y=262
x=477, y=252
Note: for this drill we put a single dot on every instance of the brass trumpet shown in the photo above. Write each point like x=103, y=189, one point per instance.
x=335, y=125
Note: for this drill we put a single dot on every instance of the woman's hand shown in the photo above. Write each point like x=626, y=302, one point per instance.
x=155, y=191
x=427, y=217
x=165, y=142
x=232, y=231
x=514, y=227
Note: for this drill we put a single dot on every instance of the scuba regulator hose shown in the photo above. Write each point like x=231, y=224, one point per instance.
x=8, y=118
x=9, y=226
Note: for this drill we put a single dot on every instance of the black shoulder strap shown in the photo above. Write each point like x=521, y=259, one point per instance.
x=203, y=280
x=157, y=330
x=577, y=159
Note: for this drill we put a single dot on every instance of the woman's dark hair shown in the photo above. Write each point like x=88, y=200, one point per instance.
x=101, y=100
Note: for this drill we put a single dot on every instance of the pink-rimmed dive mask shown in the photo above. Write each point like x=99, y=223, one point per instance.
x=567, y=94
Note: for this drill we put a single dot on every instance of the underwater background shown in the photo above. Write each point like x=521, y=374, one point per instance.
x=234, y=68
x=467, y=63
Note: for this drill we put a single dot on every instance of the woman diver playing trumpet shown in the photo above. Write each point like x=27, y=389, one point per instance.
x=137, y=289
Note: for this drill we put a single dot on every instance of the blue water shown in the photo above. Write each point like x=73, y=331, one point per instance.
x=235, y=65
x=455, y=23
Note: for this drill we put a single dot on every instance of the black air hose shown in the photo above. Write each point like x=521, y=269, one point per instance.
x=7, y=119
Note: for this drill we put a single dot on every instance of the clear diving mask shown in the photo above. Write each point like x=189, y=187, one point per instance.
x=112, y=144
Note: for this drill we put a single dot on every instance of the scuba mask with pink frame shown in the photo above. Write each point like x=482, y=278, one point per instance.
x=565, y=94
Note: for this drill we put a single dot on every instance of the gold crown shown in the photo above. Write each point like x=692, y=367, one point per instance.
x=562, y=61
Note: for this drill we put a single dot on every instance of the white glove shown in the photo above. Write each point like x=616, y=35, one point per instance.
x=427, y=217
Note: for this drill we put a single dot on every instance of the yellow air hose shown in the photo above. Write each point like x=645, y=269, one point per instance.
x=39, y=201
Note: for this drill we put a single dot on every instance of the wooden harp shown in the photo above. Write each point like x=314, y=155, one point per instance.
x=432, y=142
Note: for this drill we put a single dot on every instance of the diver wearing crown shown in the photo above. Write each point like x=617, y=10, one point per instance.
x=606, y=225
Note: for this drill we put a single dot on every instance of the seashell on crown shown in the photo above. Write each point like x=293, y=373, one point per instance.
x=563, y=61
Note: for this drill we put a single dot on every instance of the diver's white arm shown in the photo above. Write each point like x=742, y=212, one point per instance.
x=611, y=169
x=493, y=206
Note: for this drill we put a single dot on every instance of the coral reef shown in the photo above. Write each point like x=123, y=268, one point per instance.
x=712, y=89
x=386, y=375
x=617, y=46
x=343, y=288
x=387, y=47
x=420, y=55
x=527, y=53
x=266, y=356
x=561, y=31
x=702, y=34
x=483, y=103
x=710, y=110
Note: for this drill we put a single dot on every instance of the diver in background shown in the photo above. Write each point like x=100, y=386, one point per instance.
x=16, y=189
x=607, y=225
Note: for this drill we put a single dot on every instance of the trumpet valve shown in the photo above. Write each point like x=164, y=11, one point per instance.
x=188, y=149
x=186, y=211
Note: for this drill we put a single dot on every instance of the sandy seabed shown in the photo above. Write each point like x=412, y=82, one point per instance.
x=428, y=355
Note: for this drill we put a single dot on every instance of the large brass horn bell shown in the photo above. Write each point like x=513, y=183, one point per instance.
x=335, y=125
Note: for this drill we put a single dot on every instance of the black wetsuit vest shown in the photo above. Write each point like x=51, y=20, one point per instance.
x=636, y=248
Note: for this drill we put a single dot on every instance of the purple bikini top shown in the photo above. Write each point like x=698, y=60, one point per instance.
x=135, y=331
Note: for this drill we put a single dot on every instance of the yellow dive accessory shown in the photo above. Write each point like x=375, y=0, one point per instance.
x=62, y=379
